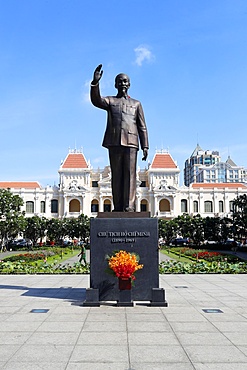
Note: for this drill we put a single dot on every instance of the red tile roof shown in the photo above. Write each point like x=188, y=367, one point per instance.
x=19, y=184
x=163, y=160
x=219, y=185
x=75, y=160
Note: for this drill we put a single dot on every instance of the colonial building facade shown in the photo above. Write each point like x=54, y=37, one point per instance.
x=83, y=189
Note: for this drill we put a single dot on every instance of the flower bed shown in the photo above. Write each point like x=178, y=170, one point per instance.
x=43, y=268
x=203, y=267
x=203, y=254
x=29, y=257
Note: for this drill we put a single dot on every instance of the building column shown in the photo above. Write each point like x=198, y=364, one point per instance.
x=156, y=206
x=138, y=204
x=101, y=205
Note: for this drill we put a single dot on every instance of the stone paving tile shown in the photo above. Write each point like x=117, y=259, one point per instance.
x=10, y=338
x=147, y=338
x=98, y=366
x=236, y=338
x=203, y=338
x=108, y=316
x=18, y=326
x=105, y=326
x=153, y=354
x=8, y=309
x=185, y=317
x=102, y=338
x=7, y=351
x=178, y=309
x=214, y=354
x=243, y=349
x=12, y=365
x=53, y=338
x=221, y=366
x=29, y=317
x=43, y=353
x=140, y=308
x=148, y=326
x=192, y=327
x=145, y=317
x=99, y=354
x=60, y=326
x=162, y=366
x=69, y=308
x=66, y=317
x=215, y=318
x=240, y=327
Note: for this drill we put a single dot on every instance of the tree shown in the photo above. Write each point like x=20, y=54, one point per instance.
x=78, y=228
x=55, y=229
x=212, y=228
x=35, y=228
x=168, y=229
x=197, y=230
x=83, y=231
x=226, y=225
x=185, y=225
x=239, y=216
x=12, y=220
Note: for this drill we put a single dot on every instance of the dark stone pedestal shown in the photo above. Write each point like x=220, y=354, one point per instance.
x=92, y=298
x=125, y=299
x=132, y=234
x=158, y=298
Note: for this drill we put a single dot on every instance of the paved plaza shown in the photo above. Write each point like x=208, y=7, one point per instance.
x=68, y=336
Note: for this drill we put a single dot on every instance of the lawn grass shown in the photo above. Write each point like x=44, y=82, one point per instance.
x=175, y=256
x=63, y=255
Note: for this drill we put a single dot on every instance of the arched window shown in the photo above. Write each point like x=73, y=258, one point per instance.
x=144, y=205
x=54, y=206
x=231, y=206
x=74, y=205
x=42, y=207
x=184, y=207
x=94, y=206
x=30, y=207
x=221, y=206
x=195, y=206
x=164, y=205
x=107, y=205
x=208, y=206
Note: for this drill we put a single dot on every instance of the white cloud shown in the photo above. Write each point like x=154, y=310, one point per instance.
x=143, y=53
x=86, y=92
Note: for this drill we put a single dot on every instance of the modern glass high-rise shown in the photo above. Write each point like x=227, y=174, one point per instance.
x=206, y=167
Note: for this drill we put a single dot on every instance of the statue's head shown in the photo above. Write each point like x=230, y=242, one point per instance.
x=122, y=82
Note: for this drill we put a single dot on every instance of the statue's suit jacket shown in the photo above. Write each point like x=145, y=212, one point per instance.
x=125, y=120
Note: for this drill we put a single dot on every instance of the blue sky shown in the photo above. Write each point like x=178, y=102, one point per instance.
x=187, y=61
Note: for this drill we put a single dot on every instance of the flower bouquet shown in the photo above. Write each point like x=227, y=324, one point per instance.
x=124, y=264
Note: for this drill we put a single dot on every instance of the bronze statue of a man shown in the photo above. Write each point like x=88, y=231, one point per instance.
x=125, y=128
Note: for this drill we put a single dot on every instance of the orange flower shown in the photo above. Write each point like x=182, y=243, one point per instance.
x=124, y=264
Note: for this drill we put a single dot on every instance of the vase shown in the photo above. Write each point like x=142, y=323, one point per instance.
x=124, y=283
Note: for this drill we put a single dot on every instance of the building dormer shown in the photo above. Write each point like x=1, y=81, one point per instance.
x=74, y=171
x=163, y=171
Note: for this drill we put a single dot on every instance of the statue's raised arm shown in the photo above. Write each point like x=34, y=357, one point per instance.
x=97, y=74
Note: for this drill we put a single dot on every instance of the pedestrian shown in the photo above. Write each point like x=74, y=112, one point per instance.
x=82, y=255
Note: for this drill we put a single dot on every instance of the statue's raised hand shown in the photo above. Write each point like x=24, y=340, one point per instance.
x=97, y=74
